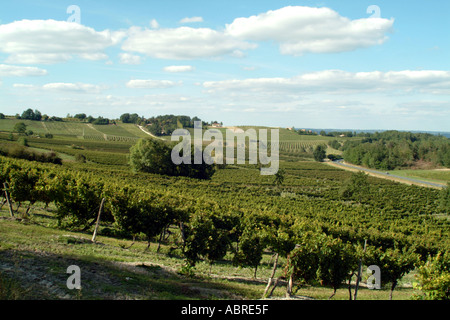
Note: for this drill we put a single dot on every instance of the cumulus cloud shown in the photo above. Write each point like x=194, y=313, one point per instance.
x=183, y=43
x=151, y=84
x=19, y=71
x=300, y=30
x=50, y=41
x=179, y=68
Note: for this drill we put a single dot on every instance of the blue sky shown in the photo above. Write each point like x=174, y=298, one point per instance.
x=316, y=64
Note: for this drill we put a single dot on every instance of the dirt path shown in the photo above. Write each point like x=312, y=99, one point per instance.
x=105, y=136
x=351, y=167
x=153, y=136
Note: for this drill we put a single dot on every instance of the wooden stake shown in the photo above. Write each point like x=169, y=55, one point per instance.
x=269, y=283
x=98, y=220
x=359, y=271
x=8, y=200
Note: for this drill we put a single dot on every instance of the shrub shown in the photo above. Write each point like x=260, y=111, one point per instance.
x=22, y=141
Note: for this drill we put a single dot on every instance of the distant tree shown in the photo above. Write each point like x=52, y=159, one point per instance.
x=28, y=114
x=155, y=156
x=80, y=116
x=20, y=127
x=125, y=118
x=37, y=115
x=2, y=116
x=320, y=153
x=101, y=121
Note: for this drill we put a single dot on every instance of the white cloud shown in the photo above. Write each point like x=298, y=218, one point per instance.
x=191, y=20
x=50, y=41
x=300, y=30
x=18, y=71
x=23, y=86
x=93, y=56
x=154, y=24
x=127, y=58
x=183, y=43
x=151, y=84
x=72, y=87
x=179, y=68
x=343, y=82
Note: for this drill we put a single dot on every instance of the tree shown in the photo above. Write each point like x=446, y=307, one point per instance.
x=320, y=153
x=2, y=116
x=20, y=127
x=28, y=114
x=155, y=156
x=393, y=263
x=337, y=261
x=80, y=116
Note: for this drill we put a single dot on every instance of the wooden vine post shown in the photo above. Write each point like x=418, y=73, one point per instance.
x=359, y=271
x=98, y=220
x=8, y=200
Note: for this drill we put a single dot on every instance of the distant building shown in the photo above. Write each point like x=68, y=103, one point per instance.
x=216, y=125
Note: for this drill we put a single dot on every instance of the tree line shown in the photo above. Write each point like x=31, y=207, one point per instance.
x=393, y=150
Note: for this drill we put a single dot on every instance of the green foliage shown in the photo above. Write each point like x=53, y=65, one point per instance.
x=22, y=141
x=20, y=127
x=444, y=199
x=130, y=118
x=356, y=187
x=101, y=121
x=394, y=263
x=238, y=213
x=334, y=144
x=29, y=114
x=279, y=177
x=21, y=152
x=392, y=149
x=166, y=124
x=434, y=278
x=320, y=153
x=155, y=156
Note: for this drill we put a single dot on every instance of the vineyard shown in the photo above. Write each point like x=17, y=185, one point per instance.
x=308, y=232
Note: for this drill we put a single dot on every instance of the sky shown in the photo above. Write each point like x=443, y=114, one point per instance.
x=374, y=65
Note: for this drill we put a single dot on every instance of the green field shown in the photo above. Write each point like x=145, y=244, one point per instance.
x=36, y=248
x=435, y=175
